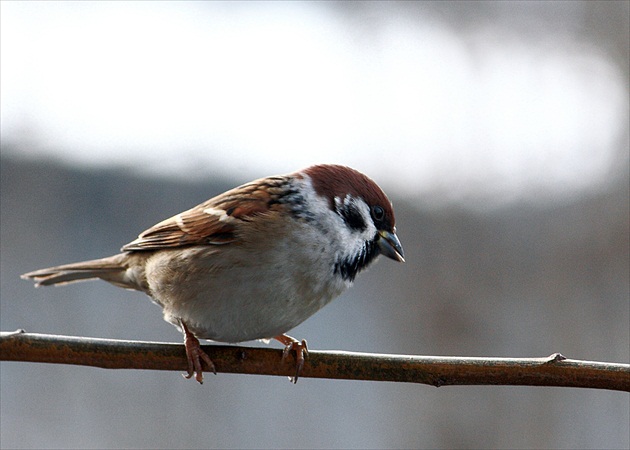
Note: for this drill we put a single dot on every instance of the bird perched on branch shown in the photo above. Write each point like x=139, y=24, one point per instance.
x=255, y=261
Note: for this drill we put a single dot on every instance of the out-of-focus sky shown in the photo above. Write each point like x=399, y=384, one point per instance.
x=504, y=109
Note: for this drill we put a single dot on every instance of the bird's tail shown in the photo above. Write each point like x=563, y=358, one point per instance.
x=113, y=269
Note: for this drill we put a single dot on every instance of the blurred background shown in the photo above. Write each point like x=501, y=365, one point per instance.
x=499, y=130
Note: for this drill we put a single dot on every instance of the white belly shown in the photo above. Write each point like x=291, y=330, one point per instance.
x=239, y=296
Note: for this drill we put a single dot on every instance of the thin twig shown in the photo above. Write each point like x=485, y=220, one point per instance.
x=554, y=370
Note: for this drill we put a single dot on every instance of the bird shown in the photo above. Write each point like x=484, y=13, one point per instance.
x=253, y=262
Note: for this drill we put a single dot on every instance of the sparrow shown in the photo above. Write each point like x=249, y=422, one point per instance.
x=254, y=262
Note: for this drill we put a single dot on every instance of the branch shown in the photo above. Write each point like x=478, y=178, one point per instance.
x=554, y=370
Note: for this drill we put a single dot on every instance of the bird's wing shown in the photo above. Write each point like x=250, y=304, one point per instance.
x=214, y=221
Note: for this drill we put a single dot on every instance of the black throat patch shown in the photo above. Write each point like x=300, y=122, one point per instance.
x=349, y=267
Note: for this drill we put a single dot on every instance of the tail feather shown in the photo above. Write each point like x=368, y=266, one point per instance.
x=109, y=269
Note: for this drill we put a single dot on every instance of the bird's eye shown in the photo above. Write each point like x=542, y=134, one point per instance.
x=378, y=213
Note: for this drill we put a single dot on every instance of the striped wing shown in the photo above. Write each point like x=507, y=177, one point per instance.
x=214, y=221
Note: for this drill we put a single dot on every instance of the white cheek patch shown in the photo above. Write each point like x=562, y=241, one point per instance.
x=350, y=241
x=223, y=217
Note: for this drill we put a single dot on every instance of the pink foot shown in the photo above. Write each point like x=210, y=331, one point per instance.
x=195, y=355
x=301, y=351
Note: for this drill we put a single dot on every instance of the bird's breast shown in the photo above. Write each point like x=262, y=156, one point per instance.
x=235, y=293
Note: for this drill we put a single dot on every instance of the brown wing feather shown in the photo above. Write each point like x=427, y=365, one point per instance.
x=214, y=221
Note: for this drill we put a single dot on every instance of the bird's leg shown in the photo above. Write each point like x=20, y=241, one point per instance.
x=301, y=351
x=195, y=355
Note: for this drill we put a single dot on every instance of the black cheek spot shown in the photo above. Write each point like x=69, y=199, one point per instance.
x=352, y=217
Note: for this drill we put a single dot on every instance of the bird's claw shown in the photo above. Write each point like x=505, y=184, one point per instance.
x=301, y=352
x=195, y=356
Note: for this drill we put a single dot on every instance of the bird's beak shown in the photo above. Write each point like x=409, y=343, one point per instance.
x=390, y=246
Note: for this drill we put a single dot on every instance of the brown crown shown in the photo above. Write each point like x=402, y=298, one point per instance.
x=330, y=181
